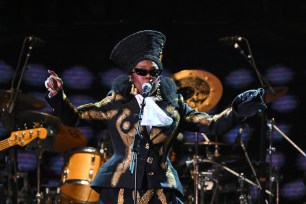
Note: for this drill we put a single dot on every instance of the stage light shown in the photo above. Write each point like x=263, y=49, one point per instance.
x=293, y=190
x=6, y=72
x=107, y=77
x=240, y=78
x=278, y=159
x=285, y=104
x=77, y=77
x=78, y=100
x=36, y=75
x=279, y=74
x=27, y=161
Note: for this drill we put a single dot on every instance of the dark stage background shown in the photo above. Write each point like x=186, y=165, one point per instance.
x=78, y=38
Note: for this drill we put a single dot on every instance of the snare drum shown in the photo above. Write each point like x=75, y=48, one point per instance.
x=80, y=168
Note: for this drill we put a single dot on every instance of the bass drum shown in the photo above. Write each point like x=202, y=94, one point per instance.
x=80, y=167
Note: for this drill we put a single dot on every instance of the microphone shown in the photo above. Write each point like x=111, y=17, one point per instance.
x=35, y=40
x=146, y=88
x=229, y=40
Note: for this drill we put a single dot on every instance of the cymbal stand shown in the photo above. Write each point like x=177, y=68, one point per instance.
x=28, y=43
x=271, y=149
x=39, y=195
x=196, y=169
x=250, y=163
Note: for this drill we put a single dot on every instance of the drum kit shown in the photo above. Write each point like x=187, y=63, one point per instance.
x=43, y=132
x=217, y=178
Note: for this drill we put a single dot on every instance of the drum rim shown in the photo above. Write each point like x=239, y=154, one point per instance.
x=75, y=181
x=69, y=198
x=72, y=151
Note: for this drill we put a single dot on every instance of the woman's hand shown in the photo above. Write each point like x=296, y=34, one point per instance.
x=53, y=83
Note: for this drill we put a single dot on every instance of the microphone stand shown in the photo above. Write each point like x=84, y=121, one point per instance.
x=135, y=148
x=13, y=99
x=265, y=84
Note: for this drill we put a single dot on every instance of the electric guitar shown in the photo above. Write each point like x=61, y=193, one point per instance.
x=23, y=137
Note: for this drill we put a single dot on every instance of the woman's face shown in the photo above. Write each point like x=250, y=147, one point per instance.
x=142, y=69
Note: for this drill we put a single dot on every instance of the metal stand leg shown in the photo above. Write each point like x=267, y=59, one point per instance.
x=39, y=195
x=196, y=170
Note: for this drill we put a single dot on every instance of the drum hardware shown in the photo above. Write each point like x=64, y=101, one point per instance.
x=198, y=177
x=209, y=181
x=201, y=90
x=196, y=169
x=215, y=177
x=247, y=156
x=51, y=196
x=244, y=198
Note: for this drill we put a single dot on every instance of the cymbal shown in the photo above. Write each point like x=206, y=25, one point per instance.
x=225, y=158
x=279, y=91
x=59, y=138
x=23, y=101
x=207, y=143
x=201, y=90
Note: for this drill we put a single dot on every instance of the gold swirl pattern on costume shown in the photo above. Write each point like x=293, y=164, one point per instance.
x=226, y=112
x=127, y=135
x=147, y=196
x=94, y=114
x=120, y=196
x=127, y=138
x=161, y=196
x=199, y=118
x=122, y=167
x=126, y=125
x=105, y=101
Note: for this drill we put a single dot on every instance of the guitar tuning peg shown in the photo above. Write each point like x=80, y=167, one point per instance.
x=25, y=126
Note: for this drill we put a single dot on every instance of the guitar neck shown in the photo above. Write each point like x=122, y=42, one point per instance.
x=5, y=144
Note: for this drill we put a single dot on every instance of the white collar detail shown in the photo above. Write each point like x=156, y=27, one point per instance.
x=153, y=115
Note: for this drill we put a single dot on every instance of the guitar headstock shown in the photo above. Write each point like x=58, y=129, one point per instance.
x=23, y=137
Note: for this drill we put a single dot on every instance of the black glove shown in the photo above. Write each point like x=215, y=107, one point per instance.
x=250, y=102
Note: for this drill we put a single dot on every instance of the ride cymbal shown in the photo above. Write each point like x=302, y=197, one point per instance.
x=206, y=143
x=201, y=90
x=23, y=101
